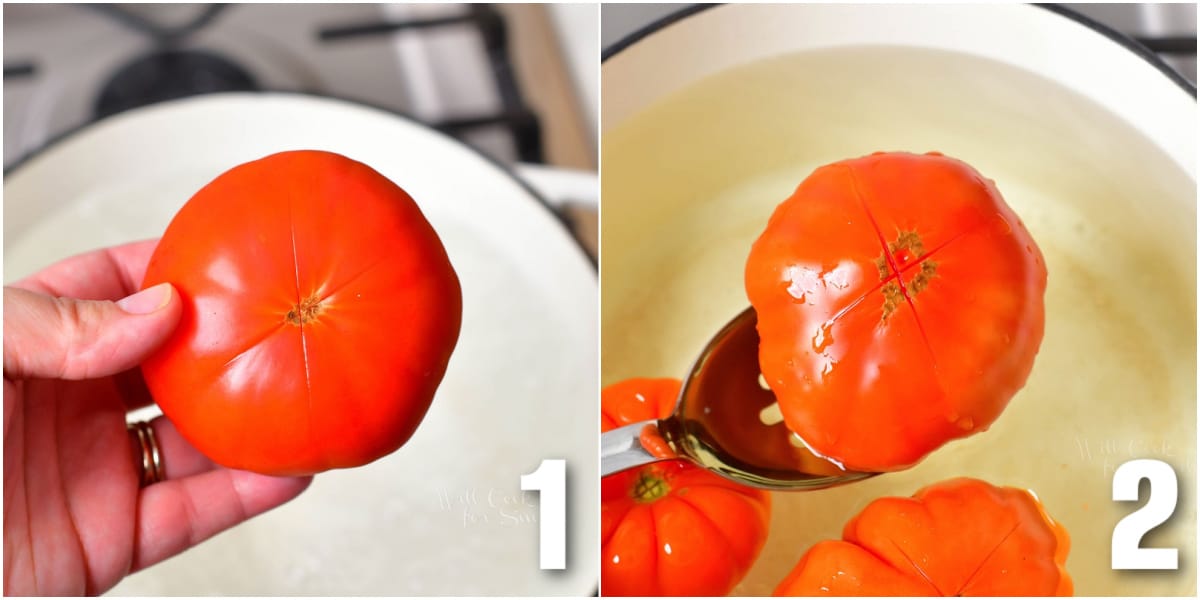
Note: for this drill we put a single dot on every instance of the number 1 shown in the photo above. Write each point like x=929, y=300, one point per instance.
x=550, y=481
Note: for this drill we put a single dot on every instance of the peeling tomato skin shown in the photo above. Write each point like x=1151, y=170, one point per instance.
x=962, y=537
x=900, y=306
x=672, y=528
x=320, y=310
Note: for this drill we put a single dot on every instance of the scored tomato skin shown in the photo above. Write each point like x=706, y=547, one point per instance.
x=961, y=537
x=319, y=313
x=876, y=369
x=672, y=528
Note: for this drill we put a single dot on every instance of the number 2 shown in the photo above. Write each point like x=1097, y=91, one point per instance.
x=1127, y=552
x=550, y=481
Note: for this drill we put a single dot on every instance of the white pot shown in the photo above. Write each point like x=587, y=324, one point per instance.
x=711, y=119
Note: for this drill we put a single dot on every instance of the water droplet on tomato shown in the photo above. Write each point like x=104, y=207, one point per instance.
x=801, y=281
x=667, y=548
x=824, y=337
x=616, y=559
x=966, y=423
x=839, y=278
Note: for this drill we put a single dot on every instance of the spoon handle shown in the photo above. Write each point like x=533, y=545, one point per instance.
x=622, y=448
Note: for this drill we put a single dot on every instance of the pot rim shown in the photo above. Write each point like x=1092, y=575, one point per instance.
x=1119, y=38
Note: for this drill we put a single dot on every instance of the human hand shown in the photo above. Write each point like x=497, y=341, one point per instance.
x=76, y=520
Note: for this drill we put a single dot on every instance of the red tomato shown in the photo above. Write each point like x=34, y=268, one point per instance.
x=962, y=537
x=672, y=528
x=899, y=305
x=320, y=311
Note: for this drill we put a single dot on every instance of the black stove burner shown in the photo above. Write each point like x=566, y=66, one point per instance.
x=169, y=74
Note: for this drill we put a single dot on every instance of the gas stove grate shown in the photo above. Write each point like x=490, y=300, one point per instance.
x=171, y=68
x=515, y=114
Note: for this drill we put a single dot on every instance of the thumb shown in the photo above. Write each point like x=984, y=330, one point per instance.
x=63, y=338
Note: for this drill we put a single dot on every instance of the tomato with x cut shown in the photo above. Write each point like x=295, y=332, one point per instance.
x=319, y=313
x=900, y=306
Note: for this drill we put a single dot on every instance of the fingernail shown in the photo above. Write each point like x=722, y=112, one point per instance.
x=147, y=300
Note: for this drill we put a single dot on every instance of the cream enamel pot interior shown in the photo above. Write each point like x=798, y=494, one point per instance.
x=711, y=119
x=445, y=514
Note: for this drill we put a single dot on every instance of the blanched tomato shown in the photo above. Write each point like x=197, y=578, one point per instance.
x=672, y=528
x=900, y=306
x=962, y=537
x=320, y=311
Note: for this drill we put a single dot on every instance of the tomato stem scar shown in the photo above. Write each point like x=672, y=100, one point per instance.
x=649, y=487
x=304, y=312
x=907, y=247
